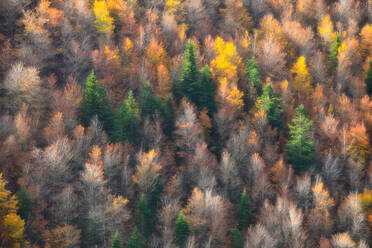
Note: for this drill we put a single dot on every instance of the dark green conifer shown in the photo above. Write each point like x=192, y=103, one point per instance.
x=236, y=239
x=127, y=121
x=181, y=230
x=253, y=75
x=187, y=85
x=244, y=213
x=368, y=79
x=143, y=216
x=207, y=91
x=136, y=240
x=116, y=240
x=95, y=103
x=300, y=147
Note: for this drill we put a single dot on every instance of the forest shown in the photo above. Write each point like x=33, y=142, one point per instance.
x=186, y=123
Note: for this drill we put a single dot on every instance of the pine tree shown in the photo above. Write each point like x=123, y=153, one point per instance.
x=368, y=79
x=95, y=102
x=333, y=53
x=272, y=104
x=207, y=91
x=300, y=148
x=244, y=213
x=136, y=240
x=253, y=75
x=143, y=216
x=155, y=194
x=116, y=240
x=187, y=85
x=236, y=239
x=148, y=102
x=181, y=230
x=24, y=202
x=127, y=121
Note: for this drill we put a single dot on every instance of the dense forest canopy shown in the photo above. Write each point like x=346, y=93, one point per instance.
x=186, y=123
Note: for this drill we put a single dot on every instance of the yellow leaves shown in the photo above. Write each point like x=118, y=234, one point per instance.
x=156, y=53
x=227, y=60
x=245, y=40
x=302, y=76
x=366, y=38
x=104, y=23
x=14, y=226
x=128, y=45
x=366, y=199
x=359, y=148
x=147, y=170
x=326, y=29
x=343, y=49
x=235, y=98
x=8, y=203
x=321, y=197
x=173, y=6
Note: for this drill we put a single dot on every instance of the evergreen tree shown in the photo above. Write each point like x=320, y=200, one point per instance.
x=168, y=116
x=95, y=102
x=143, y=216
x=116, y=240
x=155, y=194
x=253, y=74
x=207, y=91
x=333, y=53
x=136, y=240
x=272, y=104
x=244, y=213
x=368, y=79
x=187, y=85
x=24, y=202
x=181, y=230
x=236, y=239
x=148, y=102
x=127, y=121
x=300, y=148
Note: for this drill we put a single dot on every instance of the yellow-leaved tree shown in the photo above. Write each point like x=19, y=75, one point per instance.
x=302, y=79
x=104, y=22
x=11, y=225
x=225, y=68
x=326, y=30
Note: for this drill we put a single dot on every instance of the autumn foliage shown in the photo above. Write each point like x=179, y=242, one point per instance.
x=186, y=123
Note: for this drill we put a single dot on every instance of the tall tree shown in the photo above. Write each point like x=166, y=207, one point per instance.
x=95, y=102
x=244, y=214
x=236, y=239
x=207, y=91
x=271, y=103
x=148, y=102
x=300, y=148
x=116, y=240
x=187, y=85
x=368, y=79
x=333, y=53
x=136, y=240
x=181, y=230
x=143, y=216
x=25, y=204
x=127, y=121
x=168, y=116
x=253, y=74
x=11, y=225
